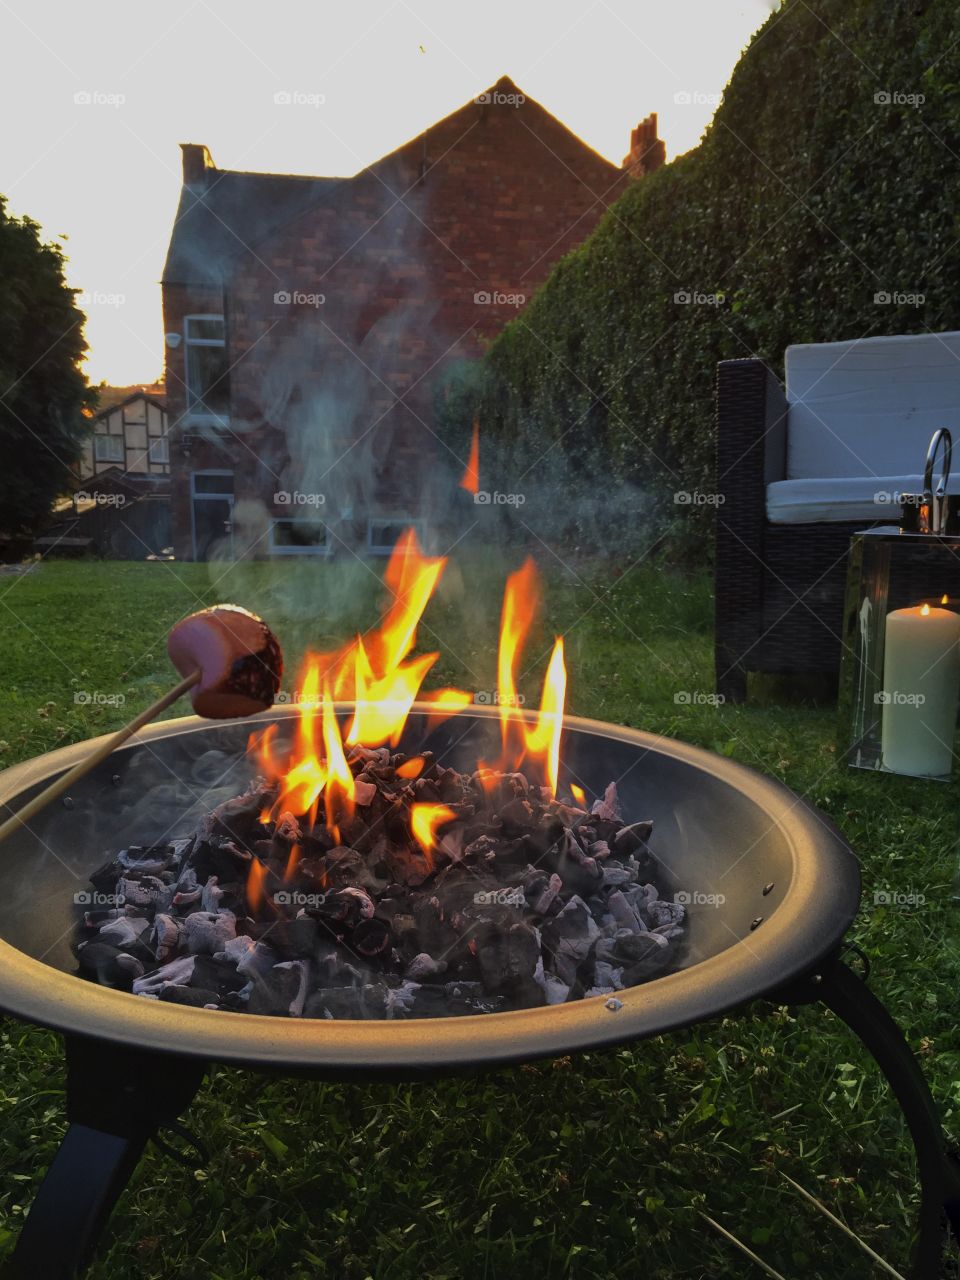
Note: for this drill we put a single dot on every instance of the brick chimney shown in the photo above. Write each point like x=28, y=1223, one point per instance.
x=197, y=163
x=647, y=151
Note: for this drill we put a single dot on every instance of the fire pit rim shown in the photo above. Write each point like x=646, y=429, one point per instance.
x=791, y=942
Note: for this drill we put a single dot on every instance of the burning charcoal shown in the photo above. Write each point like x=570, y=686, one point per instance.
x=195, y=997
x=257, y=961
x=508, y=959
x=664, y=913
x=207, y=933
x=599, y=849
x=655, y=960
x=235, y=949
x=108, y=964
x=238, y=818
x=364, y=792
x=423, y=966
x=177, y=971
x=371, y=939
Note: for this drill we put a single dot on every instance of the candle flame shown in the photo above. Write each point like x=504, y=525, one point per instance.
x=944, y=598
x=925, y=610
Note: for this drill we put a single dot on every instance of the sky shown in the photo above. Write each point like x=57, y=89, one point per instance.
x=97, y=98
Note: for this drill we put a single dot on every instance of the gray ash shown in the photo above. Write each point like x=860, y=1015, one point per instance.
x=525, y=901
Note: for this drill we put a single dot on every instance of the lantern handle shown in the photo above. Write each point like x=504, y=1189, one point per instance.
x=935, y=509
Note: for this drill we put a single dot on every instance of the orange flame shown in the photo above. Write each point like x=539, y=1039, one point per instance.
x=425, y=819
x=471, y=476
x=579, y=795
x=378, y=674
x=924, y=610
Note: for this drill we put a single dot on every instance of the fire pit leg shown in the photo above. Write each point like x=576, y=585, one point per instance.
x=117, y=1099
x=848, y=995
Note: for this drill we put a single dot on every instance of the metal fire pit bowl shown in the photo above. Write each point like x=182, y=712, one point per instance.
x=788, y=880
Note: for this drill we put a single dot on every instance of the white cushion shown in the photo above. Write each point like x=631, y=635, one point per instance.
x=869, y=407
x=866, y=498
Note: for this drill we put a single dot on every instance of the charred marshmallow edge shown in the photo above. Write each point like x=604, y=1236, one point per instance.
x=238, y=657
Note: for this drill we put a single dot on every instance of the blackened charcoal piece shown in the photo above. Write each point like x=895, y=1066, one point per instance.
x=216, y=975
x=344, y=866
x=295, y=939
x=436, y=933
x=519, y=818
x=508, y=961
x=339, y=910
x=255, y=961
x=625, y=913
x=544, y=836
x=406, y=864
x=654, y=961
x=105, y=878
x=238, y=817
x=109, y=965
x=222, y=858
x=580, y=873
x=274, y=992
x=195, y=997
x=631, y=838
x=151, y=860
x=568, y=938
x=371, y=939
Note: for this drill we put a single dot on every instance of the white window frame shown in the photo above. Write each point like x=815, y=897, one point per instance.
x=275, y=550
x=191, y=414
x=105, y=436
x=419, y=527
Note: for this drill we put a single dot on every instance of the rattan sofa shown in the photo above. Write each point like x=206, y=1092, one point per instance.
x=802, y=468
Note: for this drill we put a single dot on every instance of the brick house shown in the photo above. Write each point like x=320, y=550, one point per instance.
x=310, y=321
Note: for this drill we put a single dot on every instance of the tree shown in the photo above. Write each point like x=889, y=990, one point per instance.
x=43, y=392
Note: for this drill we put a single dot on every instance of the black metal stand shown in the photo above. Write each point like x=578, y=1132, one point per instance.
x=117, y=1100
x=849, y=997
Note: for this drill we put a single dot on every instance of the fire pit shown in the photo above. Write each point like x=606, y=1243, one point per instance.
x=772, y=888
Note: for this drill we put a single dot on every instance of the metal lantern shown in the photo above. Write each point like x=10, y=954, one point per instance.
x=901, y=653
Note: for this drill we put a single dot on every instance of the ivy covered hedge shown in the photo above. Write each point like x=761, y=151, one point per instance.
x=830, y=174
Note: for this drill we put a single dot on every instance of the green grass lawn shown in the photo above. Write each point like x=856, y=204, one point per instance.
x=593, y=1167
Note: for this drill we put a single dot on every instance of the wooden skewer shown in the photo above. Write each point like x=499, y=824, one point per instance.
x=57, y=788
x=837, y=1222
x=748, y=1253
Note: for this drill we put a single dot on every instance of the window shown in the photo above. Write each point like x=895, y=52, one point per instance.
x=160, y=450
x=108, y=448
x=213, y=484
x=208, y=381
x=298, y=538
x=384, y=534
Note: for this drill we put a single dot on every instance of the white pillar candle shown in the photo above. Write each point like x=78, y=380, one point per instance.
x=921, y=686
